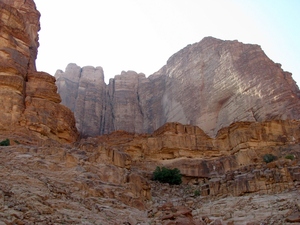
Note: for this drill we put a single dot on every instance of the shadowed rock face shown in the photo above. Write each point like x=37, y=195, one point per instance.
x=28, y=99
x=210, y=84
x=83, y=91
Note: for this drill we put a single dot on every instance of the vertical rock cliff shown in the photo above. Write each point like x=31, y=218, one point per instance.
x=211, y=84
x=83, y=91
x=28, y=99
x=126, y=103
x=214, y=83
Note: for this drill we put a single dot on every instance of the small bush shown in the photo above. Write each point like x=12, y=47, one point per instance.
x=165, y=175
x=6, y=142
x=196, y=193
x=269, y=158
x=289, y=156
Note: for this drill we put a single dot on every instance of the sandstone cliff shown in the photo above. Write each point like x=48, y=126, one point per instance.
x=210, y=84
x=236, y=146
x=107, y=179
x=28, y=99
x=220, y=169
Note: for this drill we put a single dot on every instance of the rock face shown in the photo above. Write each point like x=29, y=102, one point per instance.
x=214, y=83
x=210, y=84
x=101, y=108
x=246, y=142
x=107, y=179
x=28, y=99
x=83, y=91
x=229, y=165
x=54, y=184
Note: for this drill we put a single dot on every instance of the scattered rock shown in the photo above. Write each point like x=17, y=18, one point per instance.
x=293, y=218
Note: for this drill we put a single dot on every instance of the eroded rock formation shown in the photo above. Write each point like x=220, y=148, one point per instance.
x=229, y=165
x=247, y=142
x=28, y=99
x=107, y=179
x=53, y=184
x=232, y=163
x=210, y=84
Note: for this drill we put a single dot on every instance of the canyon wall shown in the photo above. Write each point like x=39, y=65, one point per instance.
x=28, y=99
x=107, y=179
x=210, y=84
x=232, y=163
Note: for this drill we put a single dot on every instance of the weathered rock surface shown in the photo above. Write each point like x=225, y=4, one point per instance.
x=101, y=108
x=230, y=164
x=28, y=99
x=279, y=208
x=54, y=184
x=19, y=35
x=107, y=179
x=210, y=84
x=219, y=169
x=83, y=91
x=214, y=83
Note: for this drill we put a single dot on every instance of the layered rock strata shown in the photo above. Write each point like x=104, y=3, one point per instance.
x=106, y=180
x=210, y=84
x=28, y=99
x=232, y=163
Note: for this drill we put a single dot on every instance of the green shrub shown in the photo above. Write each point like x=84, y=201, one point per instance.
x=165, y=175
x=196, y=193
x=290, y=156
x=269, y=158
x=5, y=142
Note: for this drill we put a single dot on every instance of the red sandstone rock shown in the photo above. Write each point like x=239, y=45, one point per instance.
x=105, y=180
x=28, y=98
x=39, y=181
x=232, y=163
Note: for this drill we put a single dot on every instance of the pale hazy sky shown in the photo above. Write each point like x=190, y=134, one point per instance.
x=141, y=35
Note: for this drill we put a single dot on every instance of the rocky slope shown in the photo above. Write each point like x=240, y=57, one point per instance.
x=54, y=184
x=107, y=180
x=28, y=99
x=210, y=84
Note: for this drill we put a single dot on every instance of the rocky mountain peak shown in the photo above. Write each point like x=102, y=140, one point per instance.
x=211, y=84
